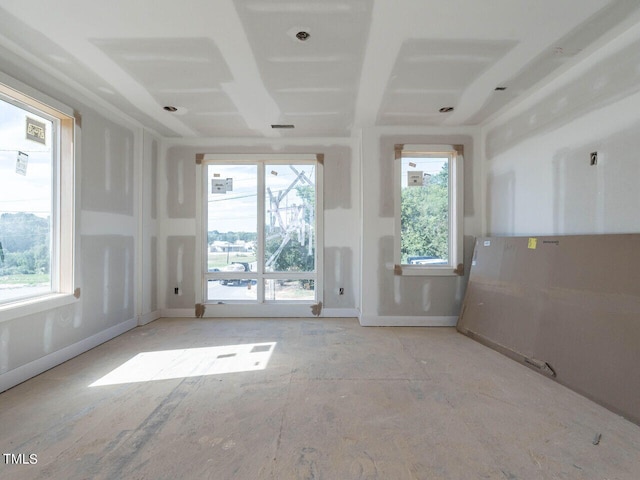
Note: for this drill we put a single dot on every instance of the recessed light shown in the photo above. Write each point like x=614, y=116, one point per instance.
x=170, y=108
x=280, y=125
x=500, y=89
x=303, y=36
x=446, y=109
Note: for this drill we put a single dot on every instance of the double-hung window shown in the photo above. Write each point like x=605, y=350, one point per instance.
x=36, y=199
x=429, y=209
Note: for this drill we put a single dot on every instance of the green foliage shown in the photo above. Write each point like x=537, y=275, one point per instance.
x=425, y=218
x=294, y=257
x=24, y=244
x=307, y=194
x=231, y=237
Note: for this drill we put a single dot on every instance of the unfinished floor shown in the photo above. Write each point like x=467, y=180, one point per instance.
x=335, y=401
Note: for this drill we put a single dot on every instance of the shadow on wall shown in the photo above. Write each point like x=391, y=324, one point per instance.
x=603, y=198
x=337, y=191
x=609, y=81
x=180, y=260
x=501, y=198
x=419, y=296
x=338, y=273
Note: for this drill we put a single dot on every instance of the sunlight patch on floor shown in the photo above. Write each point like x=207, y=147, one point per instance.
x=190, y=362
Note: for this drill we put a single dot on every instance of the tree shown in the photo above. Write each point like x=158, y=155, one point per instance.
x=24, y=243
x=425, y=218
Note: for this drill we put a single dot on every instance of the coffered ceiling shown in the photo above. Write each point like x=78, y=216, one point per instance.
x=234, y=68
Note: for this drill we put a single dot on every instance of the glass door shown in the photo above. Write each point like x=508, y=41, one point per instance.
x=261, y=232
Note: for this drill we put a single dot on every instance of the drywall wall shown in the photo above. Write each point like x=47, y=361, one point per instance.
x=389, y=299
x=115, y=233
x=178, y=240
x=539, y=177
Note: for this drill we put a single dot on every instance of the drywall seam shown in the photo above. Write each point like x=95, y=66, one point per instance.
x=36, y=367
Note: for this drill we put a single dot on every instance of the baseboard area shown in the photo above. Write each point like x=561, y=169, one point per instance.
x=426, y=321
x=148, y=317
x=178, y=312
x=340, y=313
x=31, y=369
x=258, y=311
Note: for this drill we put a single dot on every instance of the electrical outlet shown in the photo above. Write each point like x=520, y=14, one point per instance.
x=176, y=290
x=593, y=158
x=341, y=291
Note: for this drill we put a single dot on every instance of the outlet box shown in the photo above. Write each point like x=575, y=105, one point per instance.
x=593, y=158
x=176, y=290
x=341, y=291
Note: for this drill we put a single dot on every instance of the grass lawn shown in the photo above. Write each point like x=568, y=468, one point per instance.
x=25, y=279
x=219, y=259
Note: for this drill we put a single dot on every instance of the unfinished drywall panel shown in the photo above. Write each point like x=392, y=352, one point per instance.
x=501, y=202
x=148, y=230
x=180, y=288
x=106, y=214
x=387, y=297
x=181, y=182
x=108, y=279
x=607, y=81
x=155, y=155
x=538, y=154
x=153, y=300
x=341, y=211
x=568, y=306
x=339, y=262
x=48, y=332
x=107, y=175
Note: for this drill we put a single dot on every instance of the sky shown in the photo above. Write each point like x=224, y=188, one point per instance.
x=18, y=193
x=236, y=210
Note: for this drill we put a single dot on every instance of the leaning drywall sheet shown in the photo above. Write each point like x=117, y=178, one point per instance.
x=568, y=306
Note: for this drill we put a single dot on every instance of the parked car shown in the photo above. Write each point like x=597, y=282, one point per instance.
x=426, y=260
x=237, y=267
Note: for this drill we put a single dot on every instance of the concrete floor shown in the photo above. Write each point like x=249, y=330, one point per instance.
x=335, y=401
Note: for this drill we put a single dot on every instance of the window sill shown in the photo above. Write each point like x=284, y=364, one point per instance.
x=421, y=271
x=31, y=306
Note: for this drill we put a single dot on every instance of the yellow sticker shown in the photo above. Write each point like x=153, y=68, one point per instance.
x=533, y=243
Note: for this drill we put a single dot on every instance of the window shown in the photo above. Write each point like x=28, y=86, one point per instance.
x=429, y=213
x=36, y=199
x=261, y=229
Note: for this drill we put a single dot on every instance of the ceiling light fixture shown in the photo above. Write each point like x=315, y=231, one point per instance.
x=303, y=36
x=281, y=125
x=446, y=109
x=170, y=108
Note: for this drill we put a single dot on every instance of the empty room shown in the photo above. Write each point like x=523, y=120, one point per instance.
x=320, y=239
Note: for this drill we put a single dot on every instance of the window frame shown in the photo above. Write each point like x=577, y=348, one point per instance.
x=262, y=161
x=62, y=264
x=456, y=213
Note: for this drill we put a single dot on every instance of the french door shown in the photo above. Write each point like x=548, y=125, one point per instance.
x=261, y=234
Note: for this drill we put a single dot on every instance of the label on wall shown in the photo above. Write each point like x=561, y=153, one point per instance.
x=36, y=131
